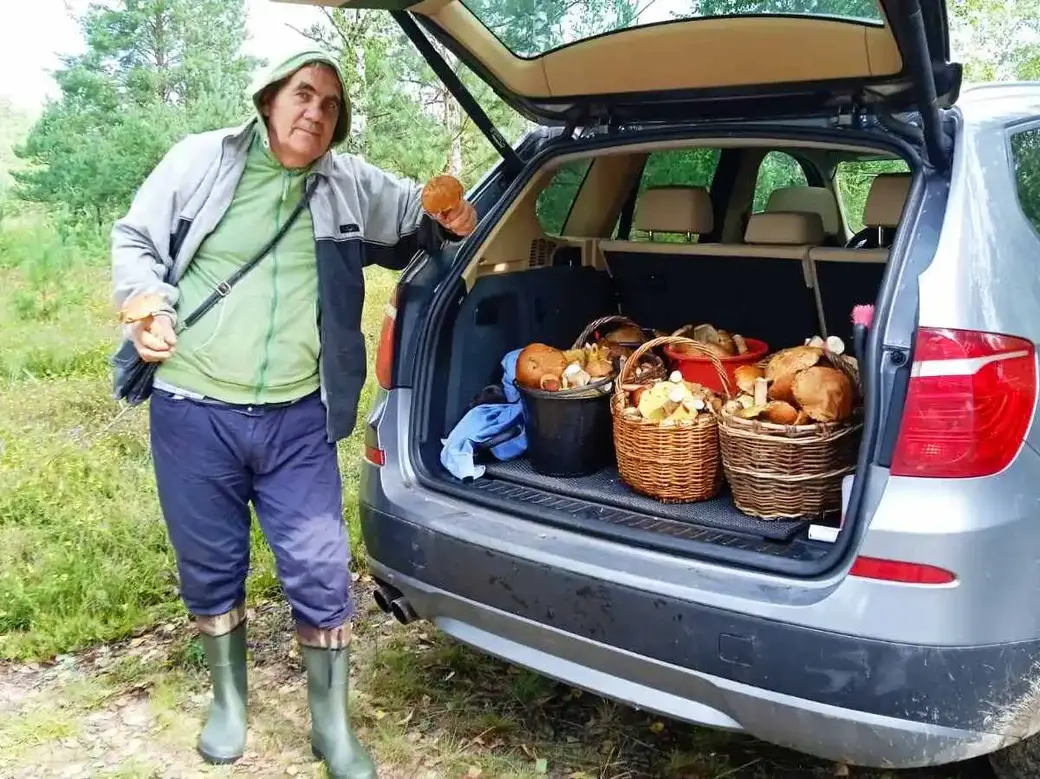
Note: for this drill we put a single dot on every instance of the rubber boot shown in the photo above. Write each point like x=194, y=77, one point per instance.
x=332, y=739
x=223, y=739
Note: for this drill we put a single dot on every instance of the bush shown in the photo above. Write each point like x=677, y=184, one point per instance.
x=57, y=321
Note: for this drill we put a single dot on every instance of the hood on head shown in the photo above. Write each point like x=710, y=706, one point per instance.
x=283, y=70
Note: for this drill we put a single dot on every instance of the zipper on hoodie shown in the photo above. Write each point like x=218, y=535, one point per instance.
x=274, y=291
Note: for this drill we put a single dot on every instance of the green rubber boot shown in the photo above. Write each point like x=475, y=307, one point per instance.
x=332, y=739
x=223, y=739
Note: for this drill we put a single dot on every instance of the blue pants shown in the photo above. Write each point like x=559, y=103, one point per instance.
x=211, y=461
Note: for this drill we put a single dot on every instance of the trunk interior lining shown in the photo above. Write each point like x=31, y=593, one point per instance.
x=508, y=311
x=754, y=296
x=509, y=303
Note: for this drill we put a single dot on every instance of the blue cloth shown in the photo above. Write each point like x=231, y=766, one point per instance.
x=482, y=423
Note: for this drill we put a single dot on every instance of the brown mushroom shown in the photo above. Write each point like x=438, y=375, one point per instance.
x=824, y=393
x=141, y=309
x=441, y=194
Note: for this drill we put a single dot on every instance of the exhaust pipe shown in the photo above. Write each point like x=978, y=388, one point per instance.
x=403, y=611
x=384, y=595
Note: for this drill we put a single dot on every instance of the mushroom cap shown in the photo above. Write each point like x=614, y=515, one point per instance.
x=535, y=361
x=792, y=360
x=745, y=376
x=141, y=307
x=824, y=393
x=441, y=193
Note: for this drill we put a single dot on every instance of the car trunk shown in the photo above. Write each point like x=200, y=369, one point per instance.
x=522, y=286
x=630, y=71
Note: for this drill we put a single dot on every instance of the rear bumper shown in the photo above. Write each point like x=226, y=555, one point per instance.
x=838, y=697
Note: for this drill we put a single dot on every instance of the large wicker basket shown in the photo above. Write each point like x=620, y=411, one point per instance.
x=790, y=472
x=677, y=463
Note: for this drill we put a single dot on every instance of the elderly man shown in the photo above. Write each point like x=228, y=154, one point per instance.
x=250, y=399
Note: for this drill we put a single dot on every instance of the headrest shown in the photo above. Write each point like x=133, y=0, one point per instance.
x=788, y=228
x=818, y=200
x=887, y=197
x=674, y=210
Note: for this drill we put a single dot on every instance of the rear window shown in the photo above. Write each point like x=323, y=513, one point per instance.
x=1025, y=158
x=683, y=167
x=854, y=179
x=675, y=167
x=529, y=29
x=555, y=201
x=777, y=171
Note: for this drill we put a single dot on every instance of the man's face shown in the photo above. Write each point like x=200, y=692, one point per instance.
x=302, y=115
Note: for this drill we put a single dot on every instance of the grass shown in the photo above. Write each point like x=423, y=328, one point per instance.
x=83, y=551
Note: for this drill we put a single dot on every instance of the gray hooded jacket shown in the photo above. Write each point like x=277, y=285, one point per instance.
x=361, y=214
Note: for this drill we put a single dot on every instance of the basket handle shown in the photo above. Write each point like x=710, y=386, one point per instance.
x=592, y=326
x=672, y=339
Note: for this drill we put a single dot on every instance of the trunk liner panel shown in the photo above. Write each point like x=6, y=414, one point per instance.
x=626, y=507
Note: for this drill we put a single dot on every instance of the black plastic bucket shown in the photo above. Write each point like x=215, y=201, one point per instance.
x=569, y=433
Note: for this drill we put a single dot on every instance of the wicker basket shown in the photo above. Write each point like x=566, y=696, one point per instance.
x=678, y=463
x=656, y=365
x=786, y=471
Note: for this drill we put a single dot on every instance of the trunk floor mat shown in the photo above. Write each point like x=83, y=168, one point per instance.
x=606, y=487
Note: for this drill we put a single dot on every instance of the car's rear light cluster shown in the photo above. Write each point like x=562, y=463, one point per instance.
x=969, y=404
x=385, y=352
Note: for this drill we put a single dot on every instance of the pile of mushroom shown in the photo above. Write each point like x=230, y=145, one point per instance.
x=798, y=386
x=544, y=367
x=720, y=342
x=670, y=401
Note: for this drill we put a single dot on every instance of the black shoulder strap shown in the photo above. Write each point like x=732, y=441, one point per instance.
x=224, y=288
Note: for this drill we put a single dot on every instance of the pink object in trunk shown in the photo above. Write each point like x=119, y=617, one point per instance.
x=863, y=315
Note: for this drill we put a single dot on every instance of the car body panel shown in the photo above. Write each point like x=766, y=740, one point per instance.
x=506, y=607
x=983, y=276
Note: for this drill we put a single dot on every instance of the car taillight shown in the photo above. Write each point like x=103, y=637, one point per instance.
x=385, y=353
x=968, y=406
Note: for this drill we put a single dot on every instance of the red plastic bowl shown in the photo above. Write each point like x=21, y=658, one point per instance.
x=698, y=368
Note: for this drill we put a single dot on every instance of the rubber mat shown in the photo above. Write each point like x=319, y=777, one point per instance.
x=606, y=487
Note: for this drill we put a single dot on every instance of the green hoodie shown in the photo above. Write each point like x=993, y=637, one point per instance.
x=260, y=344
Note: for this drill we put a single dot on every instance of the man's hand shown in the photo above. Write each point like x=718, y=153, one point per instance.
x=461, y=220
x=154, y=338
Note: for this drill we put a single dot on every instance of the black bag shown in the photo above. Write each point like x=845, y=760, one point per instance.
x=132, y=376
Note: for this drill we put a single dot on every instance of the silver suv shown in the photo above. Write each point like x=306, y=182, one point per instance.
x=902, y=632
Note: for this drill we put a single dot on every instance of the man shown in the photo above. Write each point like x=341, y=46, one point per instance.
x=250, y=400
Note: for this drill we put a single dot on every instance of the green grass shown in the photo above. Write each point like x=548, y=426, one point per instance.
x=54, y=313
x=84, y=556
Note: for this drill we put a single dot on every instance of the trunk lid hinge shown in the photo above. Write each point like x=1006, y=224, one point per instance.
x=592, y=123
x=442, y=69
x=851, y=115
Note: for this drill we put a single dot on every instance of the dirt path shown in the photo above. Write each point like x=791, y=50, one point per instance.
x=427, y=706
